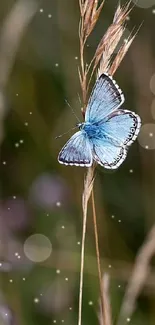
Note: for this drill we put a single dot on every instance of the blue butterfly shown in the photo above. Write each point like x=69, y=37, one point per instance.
x=107, y=132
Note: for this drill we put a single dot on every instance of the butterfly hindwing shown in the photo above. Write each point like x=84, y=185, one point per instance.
x=116, y=134
x=77, y=151
x=107, y=154
x=105, y=98
x=122, y=127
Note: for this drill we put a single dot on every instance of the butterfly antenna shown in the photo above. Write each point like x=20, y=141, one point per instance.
x=59, y=136
x=79, y=98
x=72, y=110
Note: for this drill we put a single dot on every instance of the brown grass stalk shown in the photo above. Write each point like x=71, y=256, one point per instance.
x=120, y=55
x=103, y=309
x=139, y=275
x=105, y=286
x=88, y=185
x=111, y=39
x=90, y=11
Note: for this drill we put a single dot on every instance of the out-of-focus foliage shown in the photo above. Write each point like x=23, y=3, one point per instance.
x=39, y=196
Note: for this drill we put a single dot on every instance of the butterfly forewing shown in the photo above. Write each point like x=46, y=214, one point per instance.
x=105, y=98
x=77, y=151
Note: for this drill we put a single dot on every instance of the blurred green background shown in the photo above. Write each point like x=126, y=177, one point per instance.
x=40, y=196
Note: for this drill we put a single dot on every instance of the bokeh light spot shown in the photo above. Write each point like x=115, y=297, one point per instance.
x=57, y=271
x=153, y=109
x=37, y=248
x=146, y=136
x=90, y=303
x=144, y=3
x=152, y=84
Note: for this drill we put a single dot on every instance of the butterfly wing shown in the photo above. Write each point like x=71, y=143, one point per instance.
x=105, y=98
x=77, y=151
x=122, y=127
x=119, y=128
x=117, y=133
x=107, y=154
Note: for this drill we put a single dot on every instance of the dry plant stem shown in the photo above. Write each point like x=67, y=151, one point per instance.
x=86, y=195
x=82, y=260
x=105, y=284
x=11, y=33
x=83, y=74
x=139, y=275
x=103, y=320
x=82, y=59
x=90, y=11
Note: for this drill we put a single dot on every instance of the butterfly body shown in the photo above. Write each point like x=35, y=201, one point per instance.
x=92, y=130
x=107, y=132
